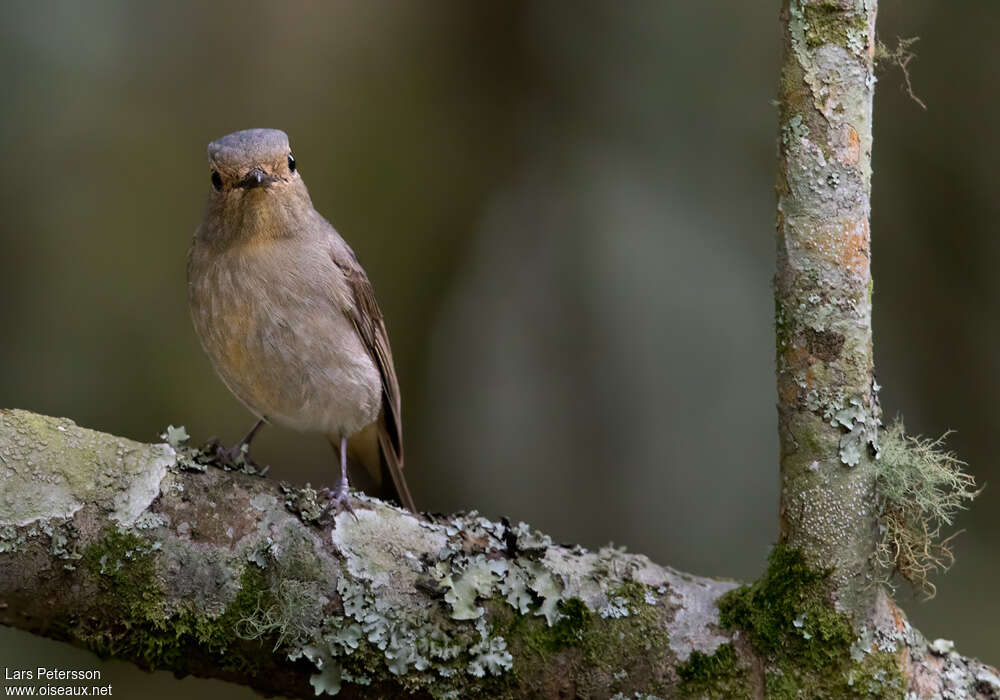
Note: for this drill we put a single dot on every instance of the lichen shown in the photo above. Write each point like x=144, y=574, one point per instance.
x=920, y=488
x=598, y=649
x=62, y=536
x=80, y=466
x=829, y=23
x=900, y=56
x=124, y=565
x=794, y=129
x=503, y=614
x=306, y=502
x=862, y=423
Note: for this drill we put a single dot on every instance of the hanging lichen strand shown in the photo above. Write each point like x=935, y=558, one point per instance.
x=827, y=397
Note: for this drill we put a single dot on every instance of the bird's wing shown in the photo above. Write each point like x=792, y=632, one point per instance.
x=367, y=318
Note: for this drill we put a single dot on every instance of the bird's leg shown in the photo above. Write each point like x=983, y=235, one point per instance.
x=244, y=445
x=239, y=454
x=340, y=497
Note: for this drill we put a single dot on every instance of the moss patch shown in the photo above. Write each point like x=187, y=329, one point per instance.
x=807, y=645
x=124, y=564
x=598, y=648
x=536, y=635
x=570, y=628
x=828, y=23
x=135, y=625
x=721, y=675
x=782, y=335
x=786, y=613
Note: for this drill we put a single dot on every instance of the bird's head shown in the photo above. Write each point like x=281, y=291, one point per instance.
x=254, y=159
x=256, y=191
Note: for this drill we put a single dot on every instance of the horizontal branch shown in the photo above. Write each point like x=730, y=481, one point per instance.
x=144, y=553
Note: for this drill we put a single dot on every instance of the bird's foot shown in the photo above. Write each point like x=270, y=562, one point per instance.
x=339, y=500
x=237, y=456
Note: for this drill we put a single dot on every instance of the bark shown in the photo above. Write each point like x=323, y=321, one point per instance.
x=140, y=552
x=828, y=412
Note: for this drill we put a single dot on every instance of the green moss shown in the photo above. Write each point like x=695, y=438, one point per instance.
x=828, y=23
x=634, y=592
x=590, y=646
x=806, y=643
x=782, y=335
x=878, y=675
x=570, y=628
x=124, y=564
x=612, y=644
x=135, y=625
x=786, y=613
x=255, y=595
x=721, y=675
x=536, y=635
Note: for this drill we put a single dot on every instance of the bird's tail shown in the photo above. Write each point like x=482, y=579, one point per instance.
x=372, y=449
x=392, y=467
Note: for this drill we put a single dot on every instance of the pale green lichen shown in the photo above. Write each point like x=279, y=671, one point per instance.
x=615, y=607
x=794, y=129
x=544, y=585
x=388, y=630
x=921, y=488
x=476, y=579
x=369, y=629
x=306, y=502
x=416, y=643
x=62, y=536
x=175, y=437
x=862, y=424
x=861, y=421
x=80, y=466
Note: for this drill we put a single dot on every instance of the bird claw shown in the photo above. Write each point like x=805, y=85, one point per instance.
x=339, y=500
x=237, y=455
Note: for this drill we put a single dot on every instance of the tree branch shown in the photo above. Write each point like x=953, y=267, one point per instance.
x=828, y=412
x=140, y=552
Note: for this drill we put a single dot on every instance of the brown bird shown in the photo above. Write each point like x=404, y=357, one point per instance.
x=287, y=315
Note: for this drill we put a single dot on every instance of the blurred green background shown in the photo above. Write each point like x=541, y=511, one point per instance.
x=567, y=212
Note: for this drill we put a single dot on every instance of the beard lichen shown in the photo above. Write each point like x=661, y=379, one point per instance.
x=921, y=488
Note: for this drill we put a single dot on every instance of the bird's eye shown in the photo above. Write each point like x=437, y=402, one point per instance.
x=291, y=163
x=216, y=180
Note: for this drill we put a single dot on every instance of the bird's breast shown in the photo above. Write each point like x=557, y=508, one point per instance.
x=271, y=318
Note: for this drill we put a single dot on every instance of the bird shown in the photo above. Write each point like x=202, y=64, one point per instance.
x=288, y=317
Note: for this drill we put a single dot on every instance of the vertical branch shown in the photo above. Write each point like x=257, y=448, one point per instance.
x=827, y=397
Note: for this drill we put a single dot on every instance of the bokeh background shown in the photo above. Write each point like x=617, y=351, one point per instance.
x=567, y=211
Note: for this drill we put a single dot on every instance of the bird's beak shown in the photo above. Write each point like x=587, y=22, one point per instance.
x=256, y=178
